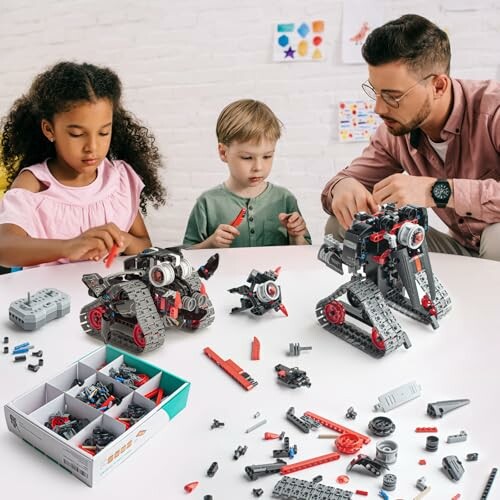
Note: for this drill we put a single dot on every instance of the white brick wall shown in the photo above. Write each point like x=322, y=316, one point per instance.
x=182, y=61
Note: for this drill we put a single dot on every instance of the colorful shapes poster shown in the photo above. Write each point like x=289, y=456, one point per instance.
x=301, y=41
x=357, y=120
x=360, y=18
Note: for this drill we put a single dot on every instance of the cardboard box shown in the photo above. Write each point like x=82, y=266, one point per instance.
x=26, y=415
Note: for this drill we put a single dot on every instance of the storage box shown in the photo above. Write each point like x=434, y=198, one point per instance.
x=26, y=416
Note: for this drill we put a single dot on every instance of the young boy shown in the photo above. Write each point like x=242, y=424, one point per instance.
x=247, y=132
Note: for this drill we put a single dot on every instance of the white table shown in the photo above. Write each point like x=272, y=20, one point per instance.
x=459, y=360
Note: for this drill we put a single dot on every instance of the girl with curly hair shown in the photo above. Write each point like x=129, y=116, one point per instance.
x=80, y=170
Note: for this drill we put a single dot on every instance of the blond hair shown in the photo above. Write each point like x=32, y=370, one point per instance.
x=247, y=120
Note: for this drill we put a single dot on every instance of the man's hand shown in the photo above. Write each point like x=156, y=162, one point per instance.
x=350, y=197
x=404, y=189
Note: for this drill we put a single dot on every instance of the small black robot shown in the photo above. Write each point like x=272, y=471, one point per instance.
x=262, y=295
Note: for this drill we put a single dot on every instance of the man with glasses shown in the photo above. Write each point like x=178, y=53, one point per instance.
x=439, y=145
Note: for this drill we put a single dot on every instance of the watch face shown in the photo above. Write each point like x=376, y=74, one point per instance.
x=441, y=191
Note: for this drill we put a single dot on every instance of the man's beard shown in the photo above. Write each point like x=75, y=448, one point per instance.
x=403, y=129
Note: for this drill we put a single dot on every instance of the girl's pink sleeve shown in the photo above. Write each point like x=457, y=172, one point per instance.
x=18, y=206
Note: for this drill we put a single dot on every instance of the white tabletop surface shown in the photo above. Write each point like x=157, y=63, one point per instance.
x=459, y=360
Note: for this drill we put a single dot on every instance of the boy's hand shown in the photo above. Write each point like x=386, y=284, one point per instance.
x=349, y=198
x=223, y=236
x=294, y=224
x=94, y=243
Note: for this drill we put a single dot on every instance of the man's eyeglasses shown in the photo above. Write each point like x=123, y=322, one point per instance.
x=389, y=99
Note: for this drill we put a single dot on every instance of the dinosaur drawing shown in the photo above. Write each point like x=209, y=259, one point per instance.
x=360, y=36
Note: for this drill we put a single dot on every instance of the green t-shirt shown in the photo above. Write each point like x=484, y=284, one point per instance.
x=260, y=227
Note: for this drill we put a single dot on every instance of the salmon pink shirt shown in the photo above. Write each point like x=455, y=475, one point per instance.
x=472, y=162
x=64, y=212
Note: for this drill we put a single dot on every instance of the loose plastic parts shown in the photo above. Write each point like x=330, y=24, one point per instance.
x=398, y=396
x=232, y=369
x=306, y=464
x=255, y=349
x=337, y=427
x=440, y=408
x=348, y=443
x=191, y=486
x=487, y=488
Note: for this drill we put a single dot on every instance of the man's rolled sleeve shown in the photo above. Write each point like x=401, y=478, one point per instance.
x=479, y=199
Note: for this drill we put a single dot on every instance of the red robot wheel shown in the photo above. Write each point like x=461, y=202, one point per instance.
x=334, y=312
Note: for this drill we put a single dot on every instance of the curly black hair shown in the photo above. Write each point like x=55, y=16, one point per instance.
x=413, y=39
x=57, y=90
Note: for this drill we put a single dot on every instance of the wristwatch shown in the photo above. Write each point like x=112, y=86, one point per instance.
x=441, y=192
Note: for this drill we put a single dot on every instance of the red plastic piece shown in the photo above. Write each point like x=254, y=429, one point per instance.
x=377, y=341
x=343, y=479
x=151, y=394
x=335, y=312
x=95, y=317
x=422, y=462
x=239, y=218
x=348, y=443
x=191, y=486
x=138, y=336
x=337, y=427
x=108, y=260
x=426, y=429
x=174, y=310
x=159, y=396
x=143, y=378
x=456, y=497
x=255, y=349
x=231, y=368
x=362, y=493
x=377, y=237
x=277, y=271
x=380, y=259
x=125, y=422
x=91, y=452
x=283, y=310
x=270, y=435
x=58, y=420
x=306, y=464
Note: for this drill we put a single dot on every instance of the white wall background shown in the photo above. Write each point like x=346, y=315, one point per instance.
x=182, y=61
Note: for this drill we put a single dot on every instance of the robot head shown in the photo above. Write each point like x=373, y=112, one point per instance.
x=161, y=274
x=268, y=291
x=411, y=235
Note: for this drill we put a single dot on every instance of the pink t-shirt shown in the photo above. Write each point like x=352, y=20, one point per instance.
x=63, y=212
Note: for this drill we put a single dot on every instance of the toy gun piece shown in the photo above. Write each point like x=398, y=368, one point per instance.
x=239, y=218
x=207, y=270
x=109, y=259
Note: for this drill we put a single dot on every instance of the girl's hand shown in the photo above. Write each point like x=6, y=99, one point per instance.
x=294, y=223
x=94, y=243
x=223, y=236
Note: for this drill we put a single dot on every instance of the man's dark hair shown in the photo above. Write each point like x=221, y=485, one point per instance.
x=413, y=39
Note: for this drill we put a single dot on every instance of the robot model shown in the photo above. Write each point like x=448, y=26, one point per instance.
x=158, y=289
x=388, y=257
x=262, y=295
